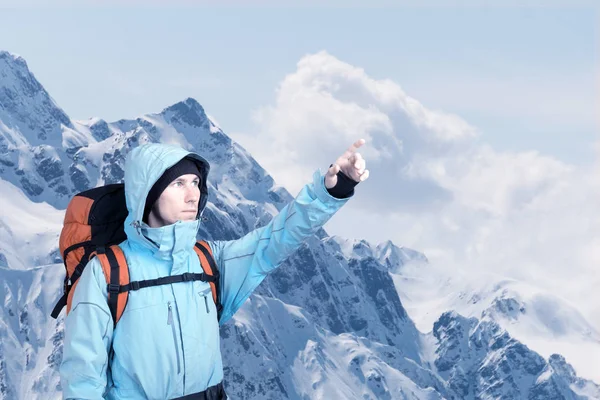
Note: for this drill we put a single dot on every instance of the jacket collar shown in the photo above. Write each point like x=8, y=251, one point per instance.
x=171, y=242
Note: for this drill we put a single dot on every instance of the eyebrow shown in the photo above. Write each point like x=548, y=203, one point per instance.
x=185, y=180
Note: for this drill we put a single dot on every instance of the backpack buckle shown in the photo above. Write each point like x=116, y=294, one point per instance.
x=135, y=285
x=114, y=288
x=187, y=276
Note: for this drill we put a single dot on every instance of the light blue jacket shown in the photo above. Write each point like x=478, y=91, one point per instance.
x=166, y=344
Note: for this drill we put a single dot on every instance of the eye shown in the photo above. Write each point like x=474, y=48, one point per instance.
x=177, y=184
x=196, y=183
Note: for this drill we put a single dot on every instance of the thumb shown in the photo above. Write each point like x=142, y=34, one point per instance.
x=331, y=176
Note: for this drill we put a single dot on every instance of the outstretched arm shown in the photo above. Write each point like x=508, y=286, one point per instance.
x=245, y=262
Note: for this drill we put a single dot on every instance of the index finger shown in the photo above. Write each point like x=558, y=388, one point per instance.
x=353, y=147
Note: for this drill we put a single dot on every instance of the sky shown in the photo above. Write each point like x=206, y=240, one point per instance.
x=481, y=121
x=526, y=77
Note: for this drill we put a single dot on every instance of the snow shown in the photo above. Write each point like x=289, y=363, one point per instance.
x=215, y=126
x=29, y=231
x=548, y=324
x=76, y=137
x=28, y=330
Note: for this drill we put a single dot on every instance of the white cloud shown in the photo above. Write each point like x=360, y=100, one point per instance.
x=434, y=185
x=326, y=105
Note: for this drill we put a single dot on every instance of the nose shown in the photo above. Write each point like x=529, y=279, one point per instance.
x=192, y=194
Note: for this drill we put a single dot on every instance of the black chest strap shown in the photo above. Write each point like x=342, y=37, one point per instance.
x=166, y=280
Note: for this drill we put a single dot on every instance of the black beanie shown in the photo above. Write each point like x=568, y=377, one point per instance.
x=187, y=165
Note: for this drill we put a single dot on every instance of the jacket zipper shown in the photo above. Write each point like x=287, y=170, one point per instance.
x=170, y=322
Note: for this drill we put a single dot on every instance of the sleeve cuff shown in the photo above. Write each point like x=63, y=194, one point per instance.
x=344, y=186
x=321, y=191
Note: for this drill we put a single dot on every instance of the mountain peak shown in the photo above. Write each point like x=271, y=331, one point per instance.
x=188, y=104
x=394, y=257
x=560, y=365
x=188, y=111
x=26, y=109
x=16, y=75
x=14, y=58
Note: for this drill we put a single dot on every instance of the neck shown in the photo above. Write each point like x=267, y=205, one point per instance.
x=156, y=221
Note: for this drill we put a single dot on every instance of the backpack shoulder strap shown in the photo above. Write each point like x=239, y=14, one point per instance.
x=116, y=273
x=209, y=266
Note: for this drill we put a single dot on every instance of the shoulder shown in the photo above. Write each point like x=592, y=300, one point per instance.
x=132, y=252
x=215, y=247
x=94, y=272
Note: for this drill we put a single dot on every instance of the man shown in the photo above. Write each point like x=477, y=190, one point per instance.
x=166, y=344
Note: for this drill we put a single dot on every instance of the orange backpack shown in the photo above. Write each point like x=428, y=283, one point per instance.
x=93, y=227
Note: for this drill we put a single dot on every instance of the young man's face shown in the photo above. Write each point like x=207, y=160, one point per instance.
x=179, y=201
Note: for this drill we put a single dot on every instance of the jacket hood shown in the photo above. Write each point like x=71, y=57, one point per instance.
x=143, y=167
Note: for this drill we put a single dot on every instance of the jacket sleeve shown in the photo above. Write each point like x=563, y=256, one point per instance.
x=88, y=336
x=245, y=262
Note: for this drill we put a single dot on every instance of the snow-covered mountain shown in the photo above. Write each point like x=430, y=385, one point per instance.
x=330, y=323
x=545, y=322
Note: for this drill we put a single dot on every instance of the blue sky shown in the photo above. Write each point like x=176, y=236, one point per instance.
x=525, y=77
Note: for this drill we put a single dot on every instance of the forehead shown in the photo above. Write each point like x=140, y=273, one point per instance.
x=186, y=177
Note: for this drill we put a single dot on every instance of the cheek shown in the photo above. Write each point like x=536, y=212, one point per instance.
x=169, y=203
